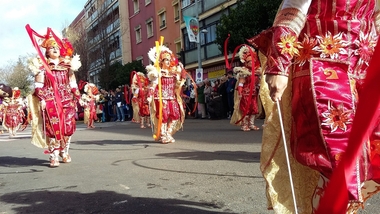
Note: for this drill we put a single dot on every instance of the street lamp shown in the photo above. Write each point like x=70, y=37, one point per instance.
x=199, y=47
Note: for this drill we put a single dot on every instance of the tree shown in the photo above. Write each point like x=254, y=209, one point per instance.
x=124, y=75
x=248, y=19
x=118, y=74
x=78, y=38
x=17, y=74
x=79, y=41
x=107, y=76
x=104, y=39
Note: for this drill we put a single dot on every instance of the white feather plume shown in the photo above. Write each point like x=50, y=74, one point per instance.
x=34, y=64
x=75, y=62
x=152, y=72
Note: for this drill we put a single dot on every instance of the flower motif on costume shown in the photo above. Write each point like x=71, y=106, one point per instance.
x=331, y=46
x=375, y=148
x=54, y=120
x=336, y=117
x=289, y=45
x=366, y=46
x=307, y=51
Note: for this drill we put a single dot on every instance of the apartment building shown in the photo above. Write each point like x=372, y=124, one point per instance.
x=105, y=40
x=209, y=14
x=143, y=33
x=122, y=31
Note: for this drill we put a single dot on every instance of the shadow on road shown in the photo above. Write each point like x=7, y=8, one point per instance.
x=103, y=202
x=114, y=142
x=8, y=161
x=241, y=156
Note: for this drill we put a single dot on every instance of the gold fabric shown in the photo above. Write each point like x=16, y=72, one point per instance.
x=292, y=18
x=178, y=124
x=237, y=114
x=86, y=115
x=38, y=136
x=273, y=164
x=135, y=107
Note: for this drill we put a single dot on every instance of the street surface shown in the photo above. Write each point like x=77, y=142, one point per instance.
x=213, y=167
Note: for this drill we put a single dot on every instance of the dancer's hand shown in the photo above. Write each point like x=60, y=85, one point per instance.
x=43, y=104
x=277, y=85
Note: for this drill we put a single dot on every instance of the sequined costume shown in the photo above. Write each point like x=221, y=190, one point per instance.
x=324, y=48
x=13, y=114
x=140, y=97
x=89, y=100
x=246, y=90
x=56, y=92
x=165, y=91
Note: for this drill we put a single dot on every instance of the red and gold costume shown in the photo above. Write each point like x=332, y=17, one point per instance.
x=246, y=90
x=55, y=88
x=324, y=48
x=13, y=114
x=140, y=91
x=165, y=89
x=89, y=102
x=5, y=93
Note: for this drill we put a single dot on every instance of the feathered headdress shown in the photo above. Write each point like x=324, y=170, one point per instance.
x=165, y=53
x=245, y=52
x=92, y=87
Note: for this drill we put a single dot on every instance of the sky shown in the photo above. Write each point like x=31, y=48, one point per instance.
x=39, y=14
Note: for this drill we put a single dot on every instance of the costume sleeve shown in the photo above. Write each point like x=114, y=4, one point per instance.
x=280, y=42
x=74, y=85
x=377, y=17
x=40, y=90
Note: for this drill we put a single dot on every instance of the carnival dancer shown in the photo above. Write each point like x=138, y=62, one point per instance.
x=53, y=104
x=246, y=90
x=317, y=58
x=140, y=90
x=89, y=100
x=13, y=114
x=5, y=93
x=165, y=88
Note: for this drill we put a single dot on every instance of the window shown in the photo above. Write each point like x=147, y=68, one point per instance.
x=136, y=8
x=147, y=2
x=140, y=59
x=149, y=27
x=185, y=3
x=162, y=20
x=138, y=34
x=178, y=46
x=176, y=12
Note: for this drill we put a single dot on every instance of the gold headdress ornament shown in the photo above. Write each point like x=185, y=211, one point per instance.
x=166, y=53
x=50, y=42
x=244, y=53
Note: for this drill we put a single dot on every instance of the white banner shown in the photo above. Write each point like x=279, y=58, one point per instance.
x=192, y=27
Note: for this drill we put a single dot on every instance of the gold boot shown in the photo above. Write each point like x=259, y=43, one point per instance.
x=244, y=124
x=252, y=123
x=164, y=137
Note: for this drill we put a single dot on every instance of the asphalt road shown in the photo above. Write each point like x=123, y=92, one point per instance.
x=213, y=167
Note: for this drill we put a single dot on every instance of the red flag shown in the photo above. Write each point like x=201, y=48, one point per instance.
x=335, y=199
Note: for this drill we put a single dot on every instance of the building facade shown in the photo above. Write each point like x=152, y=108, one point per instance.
x=143, y=34
x=209, y=14
x=104, y=36
x=123, y=31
